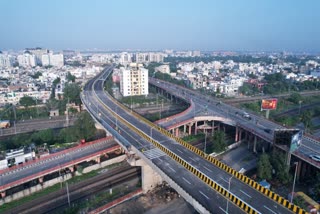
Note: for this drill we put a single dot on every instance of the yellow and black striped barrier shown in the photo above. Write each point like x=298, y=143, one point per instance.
x=275, y=197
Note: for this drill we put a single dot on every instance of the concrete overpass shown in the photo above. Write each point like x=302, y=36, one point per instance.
x=180, y=164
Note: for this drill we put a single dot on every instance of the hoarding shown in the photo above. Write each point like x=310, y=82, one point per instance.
x=269, y=104
x=289, y=139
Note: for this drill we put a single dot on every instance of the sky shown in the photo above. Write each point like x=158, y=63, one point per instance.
x=206, y=25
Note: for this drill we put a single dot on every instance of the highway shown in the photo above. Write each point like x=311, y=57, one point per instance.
x=136, y=132
x=33, y=169
x=206, y=106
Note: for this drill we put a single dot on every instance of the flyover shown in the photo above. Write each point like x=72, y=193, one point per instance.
x=206, y=107
x=66, y=159
x=219, y=188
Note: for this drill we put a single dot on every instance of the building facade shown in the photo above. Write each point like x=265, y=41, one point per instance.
x=134, y=80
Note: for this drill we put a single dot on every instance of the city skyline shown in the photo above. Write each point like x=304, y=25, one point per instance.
x=147, y=25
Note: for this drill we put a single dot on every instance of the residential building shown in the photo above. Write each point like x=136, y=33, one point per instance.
x=134, y=80
x=27, y=60
x=6, y=60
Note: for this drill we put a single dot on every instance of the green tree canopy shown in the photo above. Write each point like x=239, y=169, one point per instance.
x=279, y=164
x=70, y=77
x=27, y=101
x=84, y=127
x=264, y=167
x=72, y=92
x=219, y=142
x=56, y=81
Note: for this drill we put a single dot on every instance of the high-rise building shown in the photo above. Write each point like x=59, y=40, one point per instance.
x=56, y=60
x=38, y=52
x=196, y=53
x=134, y=80
x=27, y=60
x=155, y=57
x=125, y=58
x=6, y=60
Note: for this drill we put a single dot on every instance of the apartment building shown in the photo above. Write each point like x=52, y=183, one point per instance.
x=134, y=80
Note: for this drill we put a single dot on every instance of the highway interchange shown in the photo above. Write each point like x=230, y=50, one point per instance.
x=97, y=102
x=204, y=106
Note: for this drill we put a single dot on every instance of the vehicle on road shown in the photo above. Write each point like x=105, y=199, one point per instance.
x=315, y=157
x=4, y=124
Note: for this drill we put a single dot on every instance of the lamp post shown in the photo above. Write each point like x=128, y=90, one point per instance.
x=294, y=181
x=205, y=141
x=300, y=101
x=229, y=182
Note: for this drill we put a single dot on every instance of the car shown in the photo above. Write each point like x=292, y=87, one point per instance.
x=315, y=157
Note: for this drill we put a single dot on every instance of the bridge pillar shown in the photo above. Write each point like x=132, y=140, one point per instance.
x=185, y=128
x=40, y=180
x=98, y=160
x=177, y=132
x=240, y=135
x=236, y=137
x=150, y=178
x=190, y=126
x=196, y=128
x=255, y=144
x=212, y=128
x=3, y=194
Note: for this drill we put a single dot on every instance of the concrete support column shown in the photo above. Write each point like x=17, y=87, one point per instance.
x=236, y=137
x=3, y=194
x=240, y=135
x=196, y=128
x=298, y=170
x=71, y=168
x=177, y=132
x=212, y=128
x=190, y=126
x=150, y=178
x=98, y=160
x=41, y=180
x=184, y=128
x=255, y=144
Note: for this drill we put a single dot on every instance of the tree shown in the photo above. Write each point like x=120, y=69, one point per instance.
x=56, y=81
x=279, y=164
x=295, y=98
x=27, y=101
x=70, y=77
x=84, y=127
x=219, y=143
x=306, y=119
x=264, y=167
x=72, y=92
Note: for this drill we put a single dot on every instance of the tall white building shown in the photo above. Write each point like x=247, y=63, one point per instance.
x=125, y=58
x=6, y=60
x=156, y=57
x=38, y=52
x=55, y=60
x=27, y=60
x=134, y=80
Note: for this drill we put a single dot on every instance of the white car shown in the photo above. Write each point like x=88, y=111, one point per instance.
x=315, y=157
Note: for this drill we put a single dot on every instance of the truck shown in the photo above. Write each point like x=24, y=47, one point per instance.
x=4, y=124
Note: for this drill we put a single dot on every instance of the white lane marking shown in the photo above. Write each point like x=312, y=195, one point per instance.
x=269, y=209
x=192, y=159
x=180, y=151
x=224, y=179
x=171, y=168
x=222, y=210
x=245, y=193
x=207, y=169
x=204, y=195
x=186, y=180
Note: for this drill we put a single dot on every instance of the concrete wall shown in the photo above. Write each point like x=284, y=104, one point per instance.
x=104, y=164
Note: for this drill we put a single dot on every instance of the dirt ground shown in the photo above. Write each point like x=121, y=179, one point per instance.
x=162, y=199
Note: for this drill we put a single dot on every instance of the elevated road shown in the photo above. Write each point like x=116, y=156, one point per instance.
x=204, y=106
x=180, y=162
x=31, y=170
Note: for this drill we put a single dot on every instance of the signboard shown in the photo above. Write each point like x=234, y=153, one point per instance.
x=296, y=141
x=269, y=104
x=289, y=138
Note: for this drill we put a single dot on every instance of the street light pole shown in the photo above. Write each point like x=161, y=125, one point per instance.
x=229, y=182
x=294, y=181
x=300, y=106
x=205, y=141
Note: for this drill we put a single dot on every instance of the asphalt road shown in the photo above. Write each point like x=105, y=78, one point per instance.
x=94, y=96
x=24, y=171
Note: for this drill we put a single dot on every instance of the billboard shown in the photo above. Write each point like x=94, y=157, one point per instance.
x=289, y=139
x=269, y=104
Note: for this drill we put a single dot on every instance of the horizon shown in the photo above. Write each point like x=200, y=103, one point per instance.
x=208, y=26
